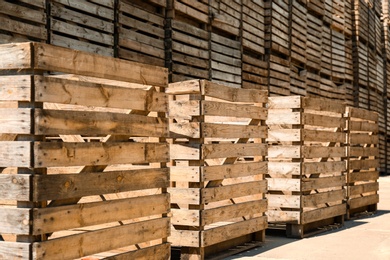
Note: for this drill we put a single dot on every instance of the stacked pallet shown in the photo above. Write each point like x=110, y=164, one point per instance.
x=218, y=167
x=254, y=66
x=226, y=50
x=86, y=26
x=188, y=50
x=306, y=172
x=363, y=163
x=61, y=193
x=383, y=139
x=23, y=21
x=141, y=34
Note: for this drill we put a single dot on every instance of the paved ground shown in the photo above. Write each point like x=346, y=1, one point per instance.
x=366, y=238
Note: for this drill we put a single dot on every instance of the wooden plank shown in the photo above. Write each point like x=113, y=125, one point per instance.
x=285, y=102
x=323, y=183
x=363, y=151
x=323, y=213
x=212, y=108
x=363, y=201
x=211, y=89
x=78, y=154
x=277, y=216
x=357, y=190
x=283, y=184
x=52, y=219
x=52, y=58
x=88, y=243
x=363, y=114
x=323, y=167
x=323, y=105
x=321, y=120
x=15, y=121
x=284, y=201
x=215, y=194
x=283, y=116
x=224, y=233
x=323, y=136
x=90, y=8
x=15, y=154
x=185, y=196
x=364, y=164
x=323, y=152
x=184, y=108
x=8, y=52
x=15, y=88
x=14, y=250
x=284, y=135
x=23, y=28
x=363, y=138
x=15, y=187
x=158, y=252
x=285, y=169
x=184, y=152
x=185, y=130
x=363, y=176
x=14, y=221
x=53, y=122
x=218, y=172
x=363, y=126
x=183, y=238
x=76, y=92
x=314, y=200
x=213, y=151
x=184, y=217
x=210, y=130
x=224, y=213
x=64, y=186
x=284, y=151
x=184, y=173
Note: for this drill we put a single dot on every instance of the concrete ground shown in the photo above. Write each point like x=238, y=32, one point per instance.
x=365, y=238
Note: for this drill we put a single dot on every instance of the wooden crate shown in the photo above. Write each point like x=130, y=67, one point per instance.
x=338, y=56
x=298, y=32
x=297, y=80
x=279, y=75
x=83, y=170
x=326, y=54
x=360, y=20
x=190, y=47
x=22, y=21
x=141, y=34
x=253, y=28
x=86, y=26
x=218, y=166
x=277, y=23
x=307, y=167
x=314, y=37
x=360, y=60
x=254, y=71
x=226, y=16
x=349, y=64
x=363, y=163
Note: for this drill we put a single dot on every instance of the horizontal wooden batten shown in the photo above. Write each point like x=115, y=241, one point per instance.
x=46, y=57
x=314, y=200
x=15, y=154
x=219, y=172
x=64, y=186
x=15, y=88
x=211, y=151
x=323, y=167
x=223, y=233
x=14, y=250
x=14, y=221
x=76, y=92
x=323, y=213
x=15, y=187
x=47, y=220
x=210, y=130
x=323, y=183
x=52, y=122
x=15, y=120
x=102, y=240
x=212, y=108
x=77, y=154
x=232, y=191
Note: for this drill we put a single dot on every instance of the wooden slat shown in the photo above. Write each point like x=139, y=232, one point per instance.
x=185, y=196
x=321, y=120
x=77, y=154
x=76, y=92
x=210, y=130
x=211, y=108
x=184, y=217
x=363, y=201
x=15, y=88
x=232, y=191
x=15, y=187
x=363, y=176
x=364, y=164
x=47, y=220
x=284, y=135
x=313, y=200
x=15, y=121
x=281, y=116
x=277, y=216
x=357, y=190
x=224, y=213
x=224, y=233
x=323, y=167
x=89, y=7
x=58, y=122
x=285, y=169
x=323, y=213
x=64, y=186
x=184, y=173
x=14, y=221
x=285, y=151
x=362, y=114
x=185, y=130
x=323, y=105
x=323, y=152
x=219, y=172
x=187, y=238
x=363, y=139
x=283, y=184
x=88, y=243
x=212, y=151
x=322, y=183
x=15, y=154
x=14, y=250
x=183, y=87
x=363, y=126
x=363, y=151
x=234, y=94
x=285, y=102
x=157, y=252
x=8, y=52
x=323, y=136
x=283, y=201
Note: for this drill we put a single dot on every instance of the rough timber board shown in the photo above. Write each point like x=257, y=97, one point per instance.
x=102, y=240
x=52, y=58
x=15, y=250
